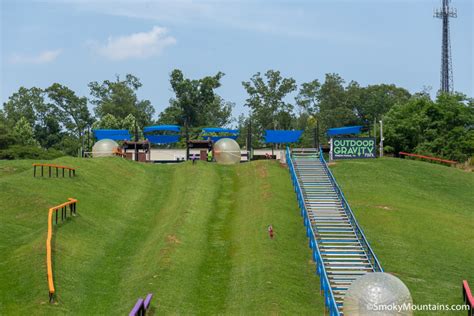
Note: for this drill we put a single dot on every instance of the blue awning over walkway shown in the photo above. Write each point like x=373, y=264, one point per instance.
x=114, y=134
x=157, y=128
x=282, y=136
x=344, y=130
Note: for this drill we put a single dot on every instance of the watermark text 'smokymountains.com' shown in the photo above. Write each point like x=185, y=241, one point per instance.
x=416, y=307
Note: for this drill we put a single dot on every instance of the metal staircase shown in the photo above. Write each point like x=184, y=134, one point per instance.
x=339, y=246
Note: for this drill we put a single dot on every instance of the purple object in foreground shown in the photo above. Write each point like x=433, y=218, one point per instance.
x=147, y=301
x=138, y=309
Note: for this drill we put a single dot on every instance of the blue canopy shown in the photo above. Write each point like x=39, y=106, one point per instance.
x=162, y=139
x=220, y=130
x=216, y=138
x=344, y=130
x=171, y=128
x=114, y=134
x=282, y=136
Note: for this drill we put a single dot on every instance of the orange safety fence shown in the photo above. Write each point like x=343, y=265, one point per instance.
x=72, y=171
x=468, y=298
x=119, y=152
x=49, y=266
x=450, y=162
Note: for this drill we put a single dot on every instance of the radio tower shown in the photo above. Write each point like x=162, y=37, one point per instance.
x=444, y=13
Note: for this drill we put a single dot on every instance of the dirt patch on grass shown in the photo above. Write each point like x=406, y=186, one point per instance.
x=172, y=239
x=166, y=252
x=262, y=171
x=266, y=194
x=8, y=169
x=265, y=187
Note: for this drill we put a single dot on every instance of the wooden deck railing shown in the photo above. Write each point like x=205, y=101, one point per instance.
x=49, y=266
x=449, y=162
x=72, y=171
x=467, y=297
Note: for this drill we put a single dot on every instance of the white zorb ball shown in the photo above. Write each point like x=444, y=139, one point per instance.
x=227, y=151
x=377, y=293
x=104, y=148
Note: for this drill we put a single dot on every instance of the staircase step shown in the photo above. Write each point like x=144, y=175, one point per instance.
x=343, y=256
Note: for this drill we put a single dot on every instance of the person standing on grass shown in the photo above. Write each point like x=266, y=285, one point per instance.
x=209, y=156
x=194, y=158
x=270, y=231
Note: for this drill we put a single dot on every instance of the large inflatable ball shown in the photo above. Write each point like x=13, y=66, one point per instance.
x=104, y=148
x=379, y=294
x=227, y=151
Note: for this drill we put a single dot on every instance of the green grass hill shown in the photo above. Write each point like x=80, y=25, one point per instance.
x=419, y=219
x=196, y=236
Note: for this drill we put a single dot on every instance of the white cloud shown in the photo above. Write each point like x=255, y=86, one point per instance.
x=136, y=45
x=44, y=57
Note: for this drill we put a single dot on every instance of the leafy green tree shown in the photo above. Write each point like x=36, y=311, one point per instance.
x=129, y=123
x=404, y=125
x=308, y=97
x=23, y=133
x=306, y=123
x=442, y=128
x=108, y=121
x=144, y=113
x=196, y=104
x=308, y=102
x=218, y=112
x=72, y=110
x=171, y=115
x=69, y=145
x=376, y=100
x=119, y=99
x=23, y=103
x=6, y=137
x=266, y=100
x=48, y=131
x=331, y=104
x=335, y=111
x=43, y=117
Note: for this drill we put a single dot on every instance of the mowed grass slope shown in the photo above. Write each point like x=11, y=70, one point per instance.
x=195, y=236
x=419, y=219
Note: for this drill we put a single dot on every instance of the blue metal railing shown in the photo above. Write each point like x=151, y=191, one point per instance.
x=329, y=299
x=359, y=232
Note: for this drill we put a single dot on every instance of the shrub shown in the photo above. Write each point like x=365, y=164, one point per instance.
x=29, y=152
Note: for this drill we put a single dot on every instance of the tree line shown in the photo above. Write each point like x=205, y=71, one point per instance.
x=53, y=121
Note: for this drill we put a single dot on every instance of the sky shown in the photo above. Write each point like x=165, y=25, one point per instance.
x=74, y=42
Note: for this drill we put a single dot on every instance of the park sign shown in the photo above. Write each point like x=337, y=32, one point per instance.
x=353, y=148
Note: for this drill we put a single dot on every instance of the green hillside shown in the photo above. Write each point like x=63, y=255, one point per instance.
x=419, y=219
x=195, y=236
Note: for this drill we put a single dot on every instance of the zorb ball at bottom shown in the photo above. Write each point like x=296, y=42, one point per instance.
x=104, y=148
x=377, y=293
x=227, y=151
